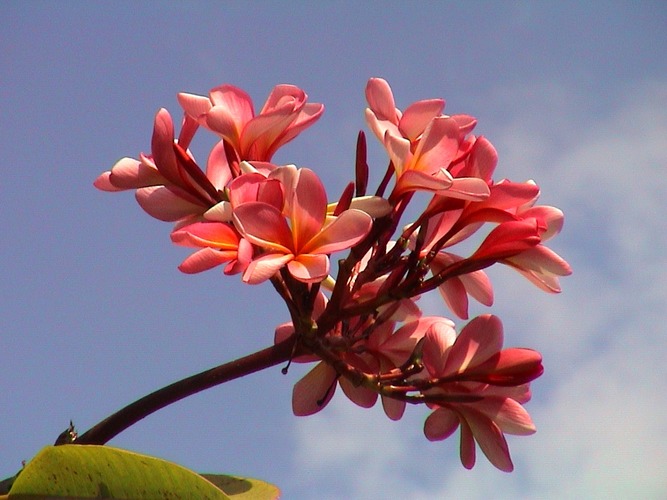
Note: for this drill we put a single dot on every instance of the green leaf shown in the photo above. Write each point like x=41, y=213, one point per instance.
x=91, y=471
x=243, y=488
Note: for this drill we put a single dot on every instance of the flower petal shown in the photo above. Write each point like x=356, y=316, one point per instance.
x=399, y=152
x=314, y=391
x=194, y=105
x=308, y=207
x=129, y=173
x=480, y=339
x=454, y=294
x=167, y=204
x=418, y=115
x=263, y=225
x=103, y=183
x=205, y=259
x=162, y=147
x=507, y=414
x=439, y=338
x=393, y=408
x=381, y=100
x=264, y=267
x=467, y=445
x=490, y=439
x=348, y=229
x=359, y=395
x=217, y=168
x=440, y=424
x=207, y=234
x=309, y=268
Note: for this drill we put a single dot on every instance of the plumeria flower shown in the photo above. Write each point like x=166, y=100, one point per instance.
x=304, y=243
x=229, y=112
x=426, y=168
x=422, y=143
x=383, y=116
x=541, y=265
x=524, y=228
x=383, y=350
x=496, y=380
x=169, y=185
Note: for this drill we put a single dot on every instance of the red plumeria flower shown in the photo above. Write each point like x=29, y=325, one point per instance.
x=229, y=112
x=495, y=380
x=304, y=243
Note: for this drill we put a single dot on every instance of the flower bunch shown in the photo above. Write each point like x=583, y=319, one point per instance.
x=360, y=319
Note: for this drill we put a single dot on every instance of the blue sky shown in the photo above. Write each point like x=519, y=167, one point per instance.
x=94, y=313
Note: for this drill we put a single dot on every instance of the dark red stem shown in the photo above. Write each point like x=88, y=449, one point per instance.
x=113, y=425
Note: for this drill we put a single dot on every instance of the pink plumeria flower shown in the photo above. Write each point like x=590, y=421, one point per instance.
x=302, y=245
x=384, y=350
x=170, y=185
x=518, y=243
x=426, y=167
x=541, y=265
x=496, y=380
x=513, y=204
x=314, y=391
x=422, y=143
x=383, y=116
x=229, y=112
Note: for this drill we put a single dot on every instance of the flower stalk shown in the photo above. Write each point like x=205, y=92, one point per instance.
x=113, y=425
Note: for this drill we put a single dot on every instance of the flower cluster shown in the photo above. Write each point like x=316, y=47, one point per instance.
x=360, y=321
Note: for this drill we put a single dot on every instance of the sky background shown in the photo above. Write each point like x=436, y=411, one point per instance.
x=94, y=313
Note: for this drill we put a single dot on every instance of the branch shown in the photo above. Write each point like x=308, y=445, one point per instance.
x=113, y=425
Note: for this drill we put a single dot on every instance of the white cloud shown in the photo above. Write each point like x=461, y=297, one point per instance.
x=601, y=409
